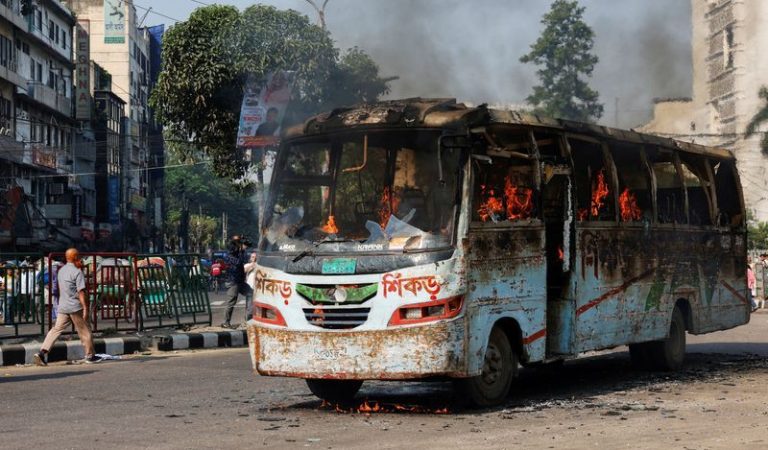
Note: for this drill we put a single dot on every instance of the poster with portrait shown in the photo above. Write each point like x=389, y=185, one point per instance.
x=263, y=110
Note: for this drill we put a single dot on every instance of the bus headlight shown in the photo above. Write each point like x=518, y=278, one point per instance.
x=427, y=312
x=267, y=314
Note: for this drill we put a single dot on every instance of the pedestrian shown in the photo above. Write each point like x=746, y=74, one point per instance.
x=763, y=279
x=250, y=271
x=73, y=308
x=235, y=279
x=752, y=287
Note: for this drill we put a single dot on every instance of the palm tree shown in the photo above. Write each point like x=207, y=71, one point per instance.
x=759, y=118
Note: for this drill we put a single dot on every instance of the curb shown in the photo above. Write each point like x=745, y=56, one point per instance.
x=216, y=339
x=68, y=350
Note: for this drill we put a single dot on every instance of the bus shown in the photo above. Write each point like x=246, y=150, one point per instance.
x=423, y=239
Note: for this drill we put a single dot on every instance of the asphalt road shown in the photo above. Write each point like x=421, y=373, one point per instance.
x=210, y=399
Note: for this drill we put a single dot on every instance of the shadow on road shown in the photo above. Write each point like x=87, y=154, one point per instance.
x=543, y=386
x=44, y=376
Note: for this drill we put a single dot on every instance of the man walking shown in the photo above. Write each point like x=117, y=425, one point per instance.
x=72, y=308
x=236, y=284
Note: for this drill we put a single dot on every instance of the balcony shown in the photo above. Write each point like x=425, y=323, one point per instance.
x=11, y=11
x=50, y=98
x=9, y=71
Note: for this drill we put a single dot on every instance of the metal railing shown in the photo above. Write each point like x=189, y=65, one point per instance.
x=21, y=295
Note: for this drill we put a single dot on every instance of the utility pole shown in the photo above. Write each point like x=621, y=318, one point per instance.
x=320, y=11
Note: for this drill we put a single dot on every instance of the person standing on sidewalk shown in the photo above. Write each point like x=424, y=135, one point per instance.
x=73, y=308
x=236, y=284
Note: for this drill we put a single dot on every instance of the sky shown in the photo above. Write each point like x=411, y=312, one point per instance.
x=470, y=49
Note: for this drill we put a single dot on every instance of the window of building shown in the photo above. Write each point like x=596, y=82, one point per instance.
x=594, y=188
x=39, y=20
x=64, y=39
x=50, y=30
x=39, y=73
x=635, y=194
x=728, y=47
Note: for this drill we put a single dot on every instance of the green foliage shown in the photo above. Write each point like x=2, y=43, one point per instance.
x=564, y=54
x=208, y=59
x=759, y=119
x=207, y=197
x=757, y=233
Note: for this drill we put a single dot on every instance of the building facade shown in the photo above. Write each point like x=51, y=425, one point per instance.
x=729, y=40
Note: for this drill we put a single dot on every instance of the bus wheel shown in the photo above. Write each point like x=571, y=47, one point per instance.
x=669, y=354
x=492, y=386
x=334, y=391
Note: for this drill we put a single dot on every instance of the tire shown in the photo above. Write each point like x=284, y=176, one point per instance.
x=335, y=391
x=669, y=354
x=492, y=386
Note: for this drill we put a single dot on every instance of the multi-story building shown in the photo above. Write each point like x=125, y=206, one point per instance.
x=119, y=46
x=729, y=40
x=36, y=123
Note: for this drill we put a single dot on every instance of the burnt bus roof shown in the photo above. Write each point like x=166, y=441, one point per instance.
x=447, y=113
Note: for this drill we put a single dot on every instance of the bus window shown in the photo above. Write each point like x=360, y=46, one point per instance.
x=670, y=198
x=594, y=199
x=699, y=193
x=635, y=203
x=504, y=191
x=727, y=191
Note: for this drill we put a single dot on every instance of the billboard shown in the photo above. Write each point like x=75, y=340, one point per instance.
x=83, y=71
x=114, y=22
x=263, y=110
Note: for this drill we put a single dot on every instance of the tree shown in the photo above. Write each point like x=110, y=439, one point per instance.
x=208, y=59
x=759, y=119
x=564, y=52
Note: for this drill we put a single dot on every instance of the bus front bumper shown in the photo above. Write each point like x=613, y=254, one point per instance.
x=424, y=351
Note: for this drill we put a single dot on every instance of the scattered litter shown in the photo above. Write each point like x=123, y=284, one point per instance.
x=106, y=357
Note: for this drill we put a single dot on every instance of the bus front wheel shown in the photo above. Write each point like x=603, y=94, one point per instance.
x=492, y=386
x=668, y=354
x=334, y=391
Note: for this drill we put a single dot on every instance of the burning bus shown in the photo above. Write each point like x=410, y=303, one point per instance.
x=423, y=239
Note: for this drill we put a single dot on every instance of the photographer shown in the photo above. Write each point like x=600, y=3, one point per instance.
x=235, y=279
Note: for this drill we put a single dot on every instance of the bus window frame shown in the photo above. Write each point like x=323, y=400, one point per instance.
x=708, y=185
x=607, y=164
x=649, y=176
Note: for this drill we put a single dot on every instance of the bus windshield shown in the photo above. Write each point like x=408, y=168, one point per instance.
x=363, y=192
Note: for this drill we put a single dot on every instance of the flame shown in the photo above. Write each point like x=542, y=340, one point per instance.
x=560, y=253
x=372, y=407
x=491, y=206
x=330, y=227
x=389, y=203
x=519, y=200
x=628, y=204
x=599, y=194
x=369, y=407
x=319, y=312
x=582, y=214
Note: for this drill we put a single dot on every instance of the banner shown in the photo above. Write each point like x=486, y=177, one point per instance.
x=263, y=110
x=113, y=199
x=114, y=22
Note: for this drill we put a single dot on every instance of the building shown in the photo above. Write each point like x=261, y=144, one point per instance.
x=119, y=46
x=729, y=41
x=36, y=122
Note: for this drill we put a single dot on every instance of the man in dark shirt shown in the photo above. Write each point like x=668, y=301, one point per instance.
x=269, y=126
x=235, y=279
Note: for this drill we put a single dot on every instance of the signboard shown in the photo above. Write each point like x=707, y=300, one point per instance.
x=339, y=266
x=83, y=71
x=105, y=230
x=138, y=202
x=114, y=22
x=263, y=110
x=43, y=157
x=113, y=199
x=88, y=230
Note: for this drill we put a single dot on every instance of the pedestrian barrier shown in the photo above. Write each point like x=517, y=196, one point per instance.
x=173, y=288
x=21, y=295
x=110, y=282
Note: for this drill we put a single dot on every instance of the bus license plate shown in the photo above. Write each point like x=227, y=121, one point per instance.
x=339, y=266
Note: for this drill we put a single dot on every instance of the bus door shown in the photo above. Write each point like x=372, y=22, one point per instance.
x=558, y=216
x=505, y=268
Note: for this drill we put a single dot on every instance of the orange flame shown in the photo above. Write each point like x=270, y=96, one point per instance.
x=330, y=227
x=389, y=203
x=628, y=204
x=519, y=200
x=370, y=407
x=491, y=206
x=599, y=194
x=366, y=407
x=320, y=316
x=582, y=214
x=560, y=253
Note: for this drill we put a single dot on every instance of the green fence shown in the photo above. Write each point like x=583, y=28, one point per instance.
x=173, y=291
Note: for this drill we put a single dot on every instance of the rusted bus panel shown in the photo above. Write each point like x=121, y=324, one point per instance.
x=507, y=279
x=626, y=282
x=399, y=353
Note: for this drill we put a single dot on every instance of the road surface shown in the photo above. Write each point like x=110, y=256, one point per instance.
x=210, y=399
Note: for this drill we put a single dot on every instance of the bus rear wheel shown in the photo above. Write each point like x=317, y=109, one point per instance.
x=334, y=391
x=492, y=386
x=669, y=354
